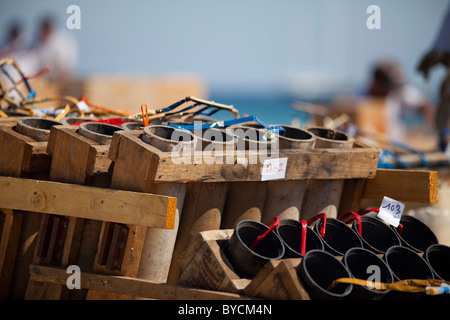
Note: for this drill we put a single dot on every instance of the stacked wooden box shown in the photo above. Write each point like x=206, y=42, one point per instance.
x=116, y=198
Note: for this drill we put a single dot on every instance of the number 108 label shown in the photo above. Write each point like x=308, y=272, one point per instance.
x=391, y=211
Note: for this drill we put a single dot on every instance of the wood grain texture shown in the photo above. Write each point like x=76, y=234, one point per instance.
x=130, y=286
x=301, y=164
x=403, y=185
x=278, y=280
x=79, y=201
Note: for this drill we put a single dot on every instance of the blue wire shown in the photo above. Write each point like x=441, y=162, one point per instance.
x=279, y=129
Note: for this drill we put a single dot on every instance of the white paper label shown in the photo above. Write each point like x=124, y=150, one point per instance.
x=274, y=169
x=391, y=211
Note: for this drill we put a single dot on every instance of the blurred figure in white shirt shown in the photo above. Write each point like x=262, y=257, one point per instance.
x=56, y=49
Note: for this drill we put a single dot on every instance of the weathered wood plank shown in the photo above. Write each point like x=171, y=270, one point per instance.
x=403, y=185
x=202, y=211
x=301, y=164
x=20, y=155
x=204, y=265
x=278, y=280
x=314, y=164
x=77, y=159
x=148, y=251
x=94, y=203
x=130, y=286
x=8, y=247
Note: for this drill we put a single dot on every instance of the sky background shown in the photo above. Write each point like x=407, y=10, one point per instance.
x=309, y=48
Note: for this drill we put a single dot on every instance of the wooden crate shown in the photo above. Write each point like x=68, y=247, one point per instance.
x=358, y=162
x=20, y=156
x=153, y=169
x=77, y=159
x=131, y=163
x=208, y=275
x=92, y=203
x=205, y=266
x=65, y=240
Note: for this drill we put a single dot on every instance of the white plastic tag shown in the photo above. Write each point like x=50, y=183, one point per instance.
x=391, y=211
x=83, y=106
x=274, y=169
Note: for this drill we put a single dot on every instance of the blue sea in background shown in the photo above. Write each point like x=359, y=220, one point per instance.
x=271, y=109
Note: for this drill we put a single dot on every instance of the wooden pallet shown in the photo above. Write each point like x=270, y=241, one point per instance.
x=65, y=240
x=206, y=273
x=49, y=198
x=133, y=165
x=121, y=285
x=222, y=181
x=204, y=264
x=137, y=258
x=20, y=156
x=208, y=195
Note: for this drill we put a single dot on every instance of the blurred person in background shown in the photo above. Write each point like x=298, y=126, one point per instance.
x=50, y=59
x=15, y=43
x=408, y=111
x=55, y=49
x=52, y=48
x=439, y=54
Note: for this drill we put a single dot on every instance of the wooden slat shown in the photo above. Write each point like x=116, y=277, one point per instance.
x=78, y=201
x=20, y=155
x=8, y=247
x=314, y=164
x=77, y=159
x=301, y=164
x=202, y=211
x=403, y=185
x=12, y=150
x=204, y=264
x=131, y=286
